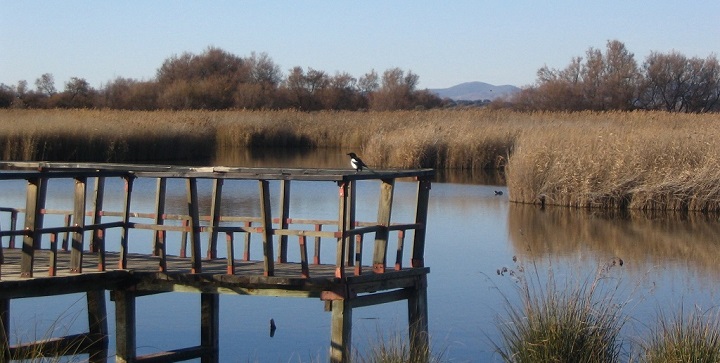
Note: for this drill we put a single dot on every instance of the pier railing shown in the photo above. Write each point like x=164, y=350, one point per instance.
x=275, y=227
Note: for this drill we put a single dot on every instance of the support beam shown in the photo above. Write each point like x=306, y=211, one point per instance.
x=97, y=325
x=125, y=333
x=210, y=327
x=418, y=322
x=341, y=331
x=4, y=330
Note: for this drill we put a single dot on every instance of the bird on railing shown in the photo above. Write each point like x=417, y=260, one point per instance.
x=357, y=163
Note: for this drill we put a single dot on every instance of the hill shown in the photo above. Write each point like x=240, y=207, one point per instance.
x=474, y=91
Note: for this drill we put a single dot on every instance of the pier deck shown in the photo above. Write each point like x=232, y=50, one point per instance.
x=86, y=262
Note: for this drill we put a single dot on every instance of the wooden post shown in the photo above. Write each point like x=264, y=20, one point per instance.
x=100, y=245
x=126, y=222
x=316, y=253
x=52, y=269
x=423, y=196
x=358, y=254
x=284, y=215
x=246, y=251
x=66, y=235
x=267, y=232
x=97, y=323
x=160, y=191
x=341, y=331
x=13, y=224
x=399, y=251
x=194, y=225
x=383, y=220
x=34, y=204
x=124, y=326
x=214, y=217
x=162, y=249
x=98, y=195
x=418, y=322
x=210, y=327
x=350, y=223
x=304, y=268
x=342, y=230
x=4, y=330
x=78, y=240
x=229, y=240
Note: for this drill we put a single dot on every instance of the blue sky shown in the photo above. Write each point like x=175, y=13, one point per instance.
x=444, y=42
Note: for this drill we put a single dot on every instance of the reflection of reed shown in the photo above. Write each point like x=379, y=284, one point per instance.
x=660, y=239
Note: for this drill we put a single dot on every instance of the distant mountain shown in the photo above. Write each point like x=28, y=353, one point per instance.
x=474, y=91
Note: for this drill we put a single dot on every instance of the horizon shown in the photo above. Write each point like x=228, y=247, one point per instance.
x=445, y=45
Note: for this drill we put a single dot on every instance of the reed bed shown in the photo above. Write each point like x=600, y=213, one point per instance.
x=693, y=337
x=612, y=160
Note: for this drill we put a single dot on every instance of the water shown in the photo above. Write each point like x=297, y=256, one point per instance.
x=668, y=260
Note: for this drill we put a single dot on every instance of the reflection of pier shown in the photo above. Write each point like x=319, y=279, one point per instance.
x=72, y=265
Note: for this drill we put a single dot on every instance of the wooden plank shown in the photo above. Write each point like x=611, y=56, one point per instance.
x=387, y=188
x=417, y=259
x=97, y=318
x=175, y=355
x=78, y=243
x=265, y=213
x=283, y=222
x=194, y=225
x=380, y=298
x=214, y=217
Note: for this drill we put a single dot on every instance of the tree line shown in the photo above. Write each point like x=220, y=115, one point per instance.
x=219, y=80
x=613, y=80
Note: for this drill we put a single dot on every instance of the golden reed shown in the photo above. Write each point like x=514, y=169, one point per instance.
x=643, y=160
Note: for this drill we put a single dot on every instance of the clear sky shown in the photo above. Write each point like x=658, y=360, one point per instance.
x=444, y=42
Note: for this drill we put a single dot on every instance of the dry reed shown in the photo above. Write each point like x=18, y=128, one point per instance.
x=640, y=160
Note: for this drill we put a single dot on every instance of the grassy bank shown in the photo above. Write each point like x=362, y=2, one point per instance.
x=641, y=160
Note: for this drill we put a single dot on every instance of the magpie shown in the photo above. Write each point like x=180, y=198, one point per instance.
x=357, y=163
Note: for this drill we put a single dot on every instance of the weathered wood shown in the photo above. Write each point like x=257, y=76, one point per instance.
x=194, y=225
x=417, y=258
x=340, y=331
x=160, y=192
x=383, y=220
x=265, y=213
x=52, y=268
x=342, y=229
x=418, y=321
x=125, y=333
x=210, y=327
x=97, y=320
x=304, y=266
x=97, y=207
x=358, y=254
x=126, y=222
x=230, y=243
x=214, y=217
x=399, y=250
x=34, y=203
x=283, y=222
x=77, y=247
x=316, y=253
x=350, y=222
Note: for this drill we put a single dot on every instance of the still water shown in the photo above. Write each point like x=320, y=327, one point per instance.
x=668, y=261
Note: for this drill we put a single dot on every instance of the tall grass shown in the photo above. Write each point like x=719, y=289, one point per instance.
x=693, y=337
x=613, y=160
x=574, y=321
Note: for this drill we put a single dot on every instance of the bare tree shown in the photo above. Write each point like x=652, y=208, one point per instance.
x=46, y=84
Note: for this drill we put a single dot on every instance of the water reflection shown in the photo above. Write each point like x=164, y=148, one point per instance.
x=661, y=239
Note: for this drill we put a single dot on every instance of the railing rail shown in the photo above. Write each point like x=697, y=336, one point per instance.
x=349, y=234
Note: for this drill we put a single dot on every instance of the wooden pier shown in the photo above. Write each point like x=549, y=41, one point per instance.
x=80, y=259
